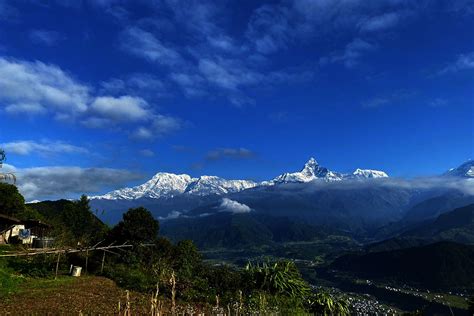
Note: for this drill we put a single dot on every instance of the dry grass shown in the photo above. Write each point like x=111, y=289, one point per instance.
x=93, y=295
x=88, y=295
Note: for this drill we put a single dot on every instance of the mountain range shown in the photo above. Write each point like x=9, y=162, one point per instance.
x=168, y=185
x=366, y=203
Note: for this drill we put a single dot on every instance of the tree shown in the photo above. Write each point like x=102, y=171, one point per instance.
x=137, y=226
x=11, y=201
x=77, y=220
x=187, y=259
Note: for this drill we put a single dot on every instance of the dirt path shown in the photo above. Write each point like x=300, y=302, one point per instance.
x=90, y=295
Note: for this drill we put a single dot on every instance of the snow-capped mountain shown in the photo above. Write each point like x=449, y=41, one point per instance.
x=367, y=174
x=313, y=171
x=466, y=170
x=207, y=185
x=167, y=185
x=162, y=184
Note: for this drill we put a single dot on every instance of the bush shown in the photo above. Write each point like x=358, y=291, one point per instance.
x=132, y=278
x=39, y=266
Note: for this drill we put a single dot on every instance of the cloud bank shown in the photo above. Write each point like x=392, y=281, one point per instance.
x=63, y=182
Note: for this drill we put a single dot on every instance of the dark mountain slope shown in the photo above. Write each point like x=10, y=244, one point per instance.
x=443, y=265
x=457, y=225
x=238, y=230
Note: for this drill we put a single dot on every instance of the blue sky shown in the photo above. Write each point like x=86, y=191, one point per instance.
x=107, y=92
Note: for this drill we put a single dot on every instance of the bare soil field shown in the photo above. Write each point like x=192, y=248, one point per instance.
x=89, y=295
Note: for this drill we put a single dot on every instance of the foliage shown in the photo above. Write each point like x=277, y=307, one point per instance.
x=72, y=221
x=137, y=226
x=324, y=304
x=281, y=277
x=39, y=266
x=131, y=277
x=8, y=280
x=11, y=201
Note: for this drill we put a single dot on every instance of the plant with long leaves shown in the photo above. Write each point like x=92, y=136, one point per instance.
x=280, y=277
x=324, y=304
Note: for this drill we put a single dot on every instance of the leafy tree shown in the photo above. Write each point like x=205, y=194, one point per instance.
x=11, y=201
x=137, y=226
x=79, y=223
x=187, y=259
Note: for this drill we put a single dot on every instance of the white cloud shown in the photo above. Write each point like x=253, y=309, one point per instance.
x=142, y=133
x=27, y=147
x=62, y=182
x=124, y=108
x=49, y=89
x=159, y=126
x=166, y=124
x=30, y=108
x=228, y=205
x=144, y=44
x=138, y=84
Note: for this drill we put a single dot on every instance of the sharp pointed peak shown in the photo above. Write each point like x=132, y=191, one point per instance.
x=312, y=162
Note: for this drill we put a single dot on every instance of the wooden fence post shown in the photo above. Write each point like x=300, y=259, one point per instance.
x=103, y=261
x=57, y=266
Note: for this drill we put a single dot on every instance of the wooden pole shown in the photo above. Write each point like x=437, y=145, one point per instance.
x=103, y=261
x=57, y=266
x=87, y=258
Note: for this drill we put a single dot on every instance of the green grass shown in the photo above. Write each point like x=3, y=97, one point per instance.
x=9, y=282
x=12, y=282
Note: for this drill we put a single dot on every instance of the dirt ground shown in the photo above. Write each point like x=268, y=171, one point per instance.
x=89, y=295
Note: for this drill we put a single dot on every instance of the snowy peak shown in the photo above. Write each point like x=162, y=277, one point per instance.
x=310, y=167
x=207, y=185
x=466, y=170
x=368, y=174
x=168, y=185
x=311, y=171
x=162, y=184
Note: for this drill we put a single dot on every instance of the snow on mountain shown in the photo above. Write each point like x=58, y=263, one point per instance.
x=466, y=170
x=169, y=184
x=311, y=171
x=161, y=185
x=367, y=174
x=207, y=185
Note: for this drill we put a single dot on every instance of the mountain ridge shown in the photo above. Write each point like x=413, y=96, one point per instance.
x=164, y=184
